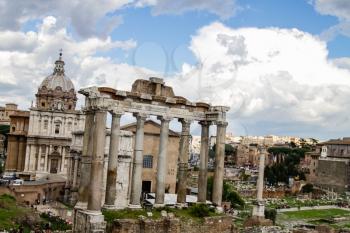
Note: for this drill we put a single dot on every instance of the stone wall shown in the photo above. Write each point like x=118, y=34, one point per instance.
x=222, y=224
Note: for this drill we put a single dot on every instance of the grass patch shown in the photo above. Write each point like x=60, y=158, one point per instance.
x=317, y=214
x=10, y=212
x=196, y=212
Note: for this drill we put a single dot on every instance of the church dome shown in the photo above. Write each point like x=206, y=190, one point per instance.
x=58, y=78
x=56, y=92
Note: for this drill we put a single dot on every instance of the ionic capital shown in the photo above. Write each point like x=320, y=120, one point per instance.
x=222, y=123
x=205, y=123
x=140, y=116
x=166, y=119
x=185, y=122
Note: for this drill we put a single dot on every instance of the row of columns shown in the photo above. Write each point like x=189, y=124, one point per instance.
x=92, y=170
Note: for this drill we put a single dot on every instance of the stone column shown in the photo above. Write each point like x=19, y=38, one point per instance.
x=138, y=159
x=63, y=158
x=259, y=207
x=85, y=169
x=75, y=171
x=111, y=187
x=38, y=165
x=203, y=163
x=219, y=163
x=183, y=161
x=162, y=161
x=27, y=159
x=96, y=174
x=46, y=157
x=21, y=154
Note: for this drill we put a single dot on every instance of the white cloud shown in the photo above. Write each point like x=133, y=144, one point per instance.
x=99, y=18
x=270, y=78
x=27, y=58
x=339, y=9
x=87, y=17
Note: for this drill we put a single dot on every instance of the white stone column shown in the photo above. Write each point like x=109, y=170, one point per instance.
x=259, y=207
x=162, y=160
x=27, y=159
x=39, y=159
x=63, y=157
x=183, y=162
x=96, y=175
x=203, y=163
x=46, y=158
x=136, y=187
x=219, y=163
x=111, y=187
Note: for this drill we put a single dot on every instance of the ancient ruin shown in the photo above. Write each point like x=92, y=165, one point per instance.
x=147, y=97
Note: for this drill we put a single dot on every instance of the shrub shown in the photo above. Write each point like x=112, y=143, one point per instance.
x=271, y=214
x=200, y=210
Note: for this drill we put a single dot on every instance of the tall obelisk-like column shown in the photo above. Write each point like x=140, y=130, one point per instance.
x=162, y=161
x=111, y=188
x=259, y=207
x=83, y=192
x=136, y=184
x=183, y=162
x=203, y=163
x=219, y=164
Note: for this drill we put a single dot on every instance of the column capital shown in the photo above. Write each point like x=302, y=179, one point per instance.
x=164, y=118
x=221, y=123
x=116, y=112
x=141, y=116
x=185, y=121
x=205, y=123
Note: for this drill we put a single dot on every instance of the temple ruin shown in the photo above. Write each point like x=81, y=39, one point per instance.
x=146, y=98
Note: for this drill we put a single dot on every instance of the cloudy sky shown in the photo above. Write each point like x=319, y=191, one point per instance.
x=282, y=66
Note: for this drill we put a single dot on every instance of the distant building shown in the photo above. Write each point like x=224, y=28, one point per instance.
x=5, y=113
x=309, y=165
x=150, y=156
x=333, y=167
x=17, y=141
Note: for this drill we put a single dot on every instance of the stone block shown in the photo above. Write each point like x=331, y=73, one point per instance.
x=89, y=222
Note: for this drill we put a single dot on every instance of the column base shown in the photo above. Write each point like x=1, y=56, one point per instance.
x=157, y=205
x=259, y=209
x=109, y=207
x=81, y=205
x=181, y=205
x=89, y=221
x=134, y=207
x=219, y=210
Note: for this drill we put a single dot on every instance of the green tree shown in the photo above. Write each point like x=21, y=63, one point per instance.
x=229, y=149
x=228, y=193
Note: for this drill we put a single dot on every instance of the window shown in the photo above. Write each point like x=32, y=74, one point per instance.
x=147, y=161
x=57, y=129
x=46, y=123
x=43, y=104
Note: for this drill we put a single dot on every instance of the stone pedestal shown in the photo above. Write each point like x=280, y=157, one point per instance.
x=259, y=209
x=89, y=221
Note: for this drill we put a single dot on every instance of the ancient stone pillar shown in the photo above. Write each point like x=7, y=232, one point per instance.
x=203, y=163
x=259, y=205
x=260, y=183
x=162, y=157
x=111, y=187
x=136, y=185
x=219, y=163
x=85, y=168
x=96, y=174
x=183, y=161
x=21, y=153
